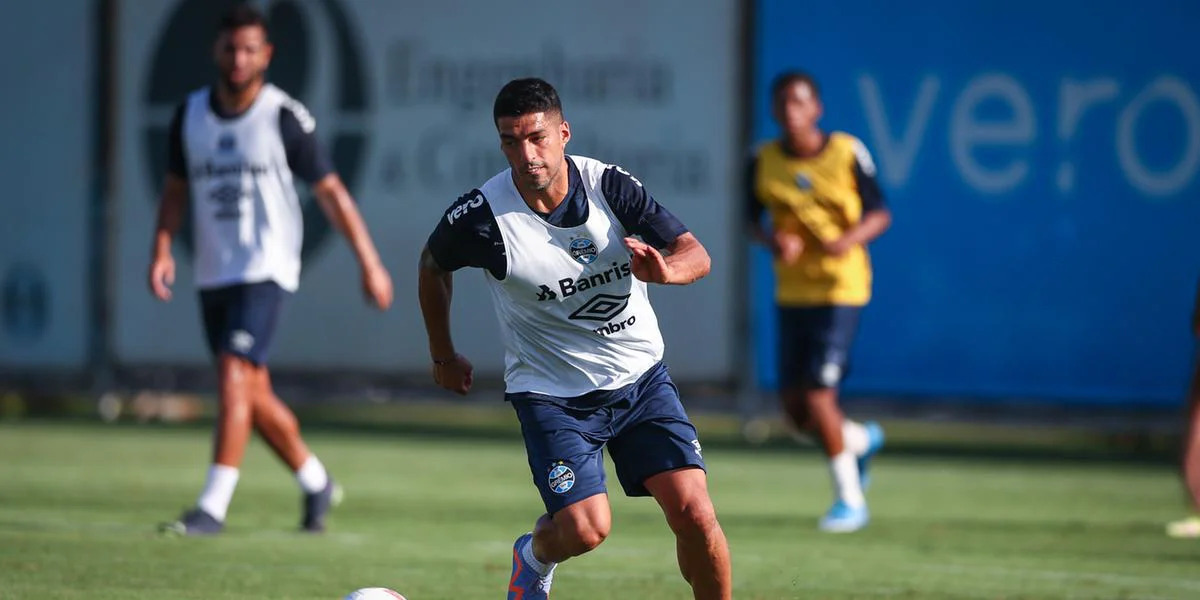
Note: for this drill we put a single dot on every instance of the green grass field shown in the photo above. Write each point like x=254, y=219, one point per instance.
x=433, y=516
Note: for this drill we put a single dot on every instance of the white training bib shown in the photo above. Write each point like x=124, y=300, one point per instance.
x=573, y=317
x=247, y=221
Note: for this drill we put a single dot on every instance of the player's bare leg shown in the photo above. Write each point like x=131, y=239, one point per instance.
x=572, y=531
x=849, y=446
x=825, y=418
x=1190, y=463
x=278, y=426
x=700, y=544
x=1191, y=453
x=795, y=408
x=235, y=413
x=237, y=384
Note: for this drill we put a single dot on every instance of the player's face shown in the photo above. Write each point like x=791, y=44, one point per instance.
x=797, y=109
x=242, y=56
x=534, y=145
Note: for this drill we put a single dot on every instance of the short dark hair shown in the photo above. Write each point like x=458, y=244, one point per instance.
x=524, y=96
x=787, y=79
x=242, y=15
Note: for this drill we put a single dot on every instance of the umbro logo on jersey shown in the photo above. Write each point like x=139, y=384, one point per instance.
x=803, y=182
x=610, y=328
x=568, y=287
x=228, y=198
x=226, y=143
x=601, y=307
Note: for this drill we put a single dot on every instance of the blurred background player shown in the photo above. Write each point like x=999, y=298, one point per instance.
x=235, y=149
x=825, y=206
x=1189, y=527
x=583, y=348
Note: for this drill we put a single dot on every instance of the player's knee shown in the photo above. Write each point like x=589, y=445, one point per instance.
x=587, y=536
x=693, y=518
x=236, y=372
x=235, y=407
x=585, y=532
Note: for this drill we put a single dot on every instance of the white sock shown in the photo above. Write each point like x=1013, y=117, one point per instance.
x=844, y=468
x=855, y=438
x=218, y=491
x=312, y=476
x=542, y=568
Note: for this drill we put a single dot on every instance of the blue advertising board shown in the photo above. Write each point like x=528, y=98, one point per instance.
x=1042, y=162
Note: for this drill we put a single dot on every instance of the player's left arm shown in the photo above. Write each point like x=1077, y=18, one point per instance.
x=667, y=252
x=339, y=207
x=308, y=161
x=686, y=260
x=876, y=218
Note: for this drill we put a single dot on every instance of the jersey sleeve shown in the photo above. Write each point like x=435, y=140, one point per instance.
x=865, y=178
x=305, y=156
x=176, y=163
x=637, y=210
x=468, y=236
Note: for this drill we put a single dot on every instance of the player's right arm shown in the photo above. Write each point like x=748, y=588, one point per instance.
x=466, y=236
x=170, y=212
x=784, y=245
x=435, y=288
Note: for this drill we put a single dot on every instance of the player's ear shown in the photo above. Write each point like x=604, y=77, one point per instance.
x=564, y=130
x=268, y=52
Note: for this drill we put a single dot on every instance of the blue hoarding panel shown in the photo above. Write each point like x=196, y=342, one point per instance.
x=1041, y=161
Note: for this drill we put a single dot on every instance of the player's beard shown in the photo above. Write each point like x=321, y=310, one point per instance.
x=541, y=185
x=239, y=87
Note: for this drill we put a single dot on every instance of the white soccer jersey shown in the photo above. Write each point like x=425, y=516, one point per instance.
x=573, y=317
x=246, y=215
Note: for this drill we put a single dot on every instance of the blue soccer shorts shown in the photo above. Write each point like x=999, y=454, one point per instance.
x=814, y=344
x=643, y=425
x=240, y=319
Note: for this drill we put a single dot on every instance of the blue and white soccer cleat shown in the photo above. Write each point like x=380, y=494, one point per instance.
x=193, y=522
x=874, y=443
x=525, y=583
x=842, y=518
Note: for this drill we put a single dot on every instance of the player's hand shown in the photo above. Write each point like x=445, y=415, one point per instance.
x=162, y=276
x=648, y=264
x=455, y=374
x=838, y=247
x=787, y=246
x=377, y=286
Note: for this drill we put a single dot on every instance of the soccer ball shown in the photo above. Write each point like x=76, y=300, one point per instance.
x=374, y=594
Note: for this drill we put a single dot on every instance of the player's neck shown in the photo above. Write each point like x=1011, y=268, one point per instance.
x=236, y=102
x=807, y=144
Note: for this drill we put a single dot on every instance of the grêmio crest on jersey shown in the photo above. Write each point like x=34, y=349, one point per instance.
x=583, y=250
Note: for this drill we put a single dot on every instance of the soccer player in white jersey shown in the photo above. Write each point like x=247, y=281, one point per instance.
x=555, y=237
x=235, y=150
